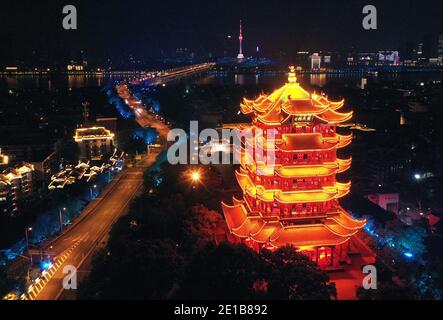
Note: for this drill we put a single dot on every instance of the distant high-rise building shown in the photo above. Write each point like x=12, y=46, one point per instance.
x=315, y=61
x=440, y=48
x=327, y=60
x=301, y=59
x=388, y=58
x=4, y=159
x=433, y=48
x=240, y=40
x=15, y=183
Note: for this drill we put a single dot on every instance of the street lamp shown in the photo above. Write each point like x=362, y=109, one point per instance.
x=195, y=176
x=90, y=190
x=61, y=218
x=27, y=242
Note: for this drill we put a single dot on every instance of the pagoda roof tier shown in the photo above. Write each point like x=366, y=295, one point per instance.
x=331, y=116
x=325, y=194
x=299, y=141
x=292, y=100
x=247, y=163
x=343, y=218
x=307, y=236
x=312, y=142
x=299, y=171
x=274, y=116
x=274, y=233
x=305, y=142
x=306, y=171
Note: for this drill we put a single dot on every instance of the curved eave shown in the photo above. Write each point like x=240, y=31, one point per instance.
x=273, y=117
x=347, y=223
x=345, y=219
x=344, y=164
x=335, y=105
x=344, y=140
x=245, y=109
x=243, y=180
x=302, y=107
x=238, y=221
x=331, y=116
x=343, y=188
x=235, y=215
x=338, y=229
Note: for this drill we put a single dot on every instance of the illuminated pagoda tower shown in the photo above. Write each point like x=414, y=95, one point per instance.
x=294, y=200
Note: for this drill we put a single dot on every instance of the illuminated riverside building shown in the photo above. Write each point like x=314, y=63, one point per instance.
x=15, y=182
x=94, y=142
x=4, y=159
x=293, y=200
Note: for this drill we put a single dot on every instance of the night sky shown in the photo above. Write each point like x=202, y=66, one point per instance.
x=118, y=28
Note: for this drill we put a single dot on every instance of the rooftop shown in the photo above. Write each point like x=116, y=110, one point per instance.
x=92, y=133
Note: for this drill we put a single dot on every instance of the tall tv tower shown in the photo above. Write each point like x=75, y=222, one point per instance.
x=240, y=39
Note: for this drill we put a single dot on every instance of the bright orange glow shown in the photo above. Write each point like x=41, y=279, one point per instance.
x=195, y=176
x=294, y=200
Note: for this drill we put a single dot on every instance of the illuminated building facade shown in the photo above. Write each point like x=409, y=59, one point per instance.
x=315, y=61
x=293, y=199
x=4, y=159
x=15, y=182
x=94, y=142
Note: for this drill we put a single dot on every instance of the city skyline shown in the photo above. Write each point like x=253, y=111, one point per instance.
x=145, y=31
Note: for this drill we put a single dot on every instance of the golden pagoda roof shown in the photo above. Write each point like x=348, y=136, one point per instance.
x=299, y=142
x=331, y=232
x=295, y=171
x=338, y=190
x=292, y=100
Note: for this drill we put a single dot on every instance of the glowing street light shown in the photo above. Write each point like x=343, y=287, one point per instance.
x=90, y=190
x=195, y=176
x=417, y=176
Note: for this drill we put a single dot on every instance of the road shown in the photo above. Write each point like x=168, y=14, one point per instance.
x=76, y=245
x=89, y=232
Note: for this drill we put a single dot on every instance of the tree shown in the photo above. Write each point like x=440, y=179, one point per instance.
x=199, y=226
x=135, y=270
x=294, y=276
x=222, y=272
x=5, y=281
